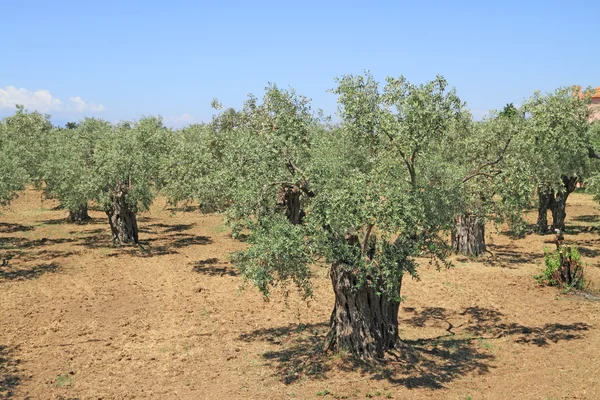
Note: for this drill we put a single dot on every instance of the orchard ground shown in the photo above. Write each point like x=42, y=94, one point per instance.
x=81, y=319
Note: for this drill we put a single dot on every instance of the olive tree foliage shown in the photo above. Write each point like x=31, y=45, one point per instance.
x=494, y=176
x=558, y=149
x=69, y=168
x=592, y=183
x=376, y=193
x=127, y=163
x=23, y=138
x=244, y=159
x=192, y=170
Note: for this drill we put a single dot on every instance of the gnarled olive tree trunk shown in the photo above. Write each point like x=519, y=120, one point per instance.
x=559, y=206
x=79, y=215
x=556, y=202
x=545, y=202
x=122, y=219
x=468, y=236
x=288, y=198
x=363, y=322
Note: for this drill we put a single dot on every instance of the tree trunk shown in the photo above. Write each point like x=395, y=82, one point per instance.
x=288, y=198
x=468, y=237
x=363, y=322
x=559, y=205
x=545, y=202
x=79, y=215
x=122, y=219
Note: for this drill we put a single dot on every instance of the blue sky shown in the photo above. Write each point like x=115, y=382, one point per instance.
x=123, y=59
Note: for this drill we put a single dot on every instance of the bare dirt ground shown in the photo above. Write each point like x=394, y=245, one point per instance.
x=80, y=319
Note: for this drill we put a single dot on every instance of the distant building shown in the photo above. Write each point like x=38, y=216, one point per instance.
x=595, y=105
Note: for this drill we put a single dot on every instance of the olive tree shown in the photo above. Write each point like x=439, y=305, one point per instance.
x=126, y=170
x=559, y=149
x=13, y=174
x=374, y=194
x=192, y=167
x=23, y=141
x=69, y=168
x=495, y=185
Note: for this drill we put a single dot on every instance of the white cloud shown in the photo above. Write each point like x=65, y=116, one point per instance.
x=43, y=101
x=77, y=104
x=183, y=119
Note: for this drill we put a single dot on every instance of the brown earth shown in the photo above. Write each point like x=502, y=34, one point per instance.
x=80, y=319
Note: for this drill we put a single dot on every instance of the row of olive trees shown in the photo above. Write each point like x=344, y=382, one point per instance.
x=368, y=195
x=115, y=166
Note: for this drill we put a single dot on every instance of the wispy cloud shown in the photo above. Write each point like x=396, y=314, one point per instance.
x=77, y=104
x=43, y=101
x=180, y=120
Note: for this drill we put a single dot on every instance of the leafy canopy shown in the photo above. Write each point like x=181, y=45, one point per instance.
x=379, y=188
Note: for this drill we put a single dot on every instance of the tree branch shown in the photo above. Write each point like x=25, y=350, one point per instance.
x=365, y=244
x=261, y=194
x=478, y=172
x=592, y=153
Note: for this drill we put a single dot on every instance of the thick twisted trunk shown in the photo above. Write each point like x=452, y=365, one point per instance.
x=545, y=202
x=122, y=219
x=79, y=215
x=559, y=205
x=363, y=322
x=468, y=237
x=288, y=198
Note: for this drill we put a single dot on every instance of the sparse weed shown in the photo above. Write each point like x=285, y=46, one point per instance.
x=64, y=380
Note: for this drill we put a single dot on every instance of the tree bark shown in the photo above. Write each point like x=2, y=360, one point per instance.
x=122, y=219
x=468, y=237
x=559, y=205
x=288, y=198
x=545, y=202
x=79, y=215
x=363, y=322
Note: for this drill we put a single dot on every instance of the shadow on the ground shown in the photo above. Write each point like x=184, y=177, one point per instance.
x=168, y=239
x=10, y=273
x=587, y=248
x=9, y=372
x=462, y=348
x=486, y=323
x=164, y=239
x=20, y=243
x=184, y=208
x=6, y=227
x=65, y=221
x=587, y=218
x=507, y=257
x=166, y=228
x=212, y=266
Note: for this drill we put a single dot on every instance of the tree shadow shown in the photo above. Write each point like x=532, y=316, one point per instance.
x=301, y=351
x=577, y=229
x=587, y=248
x=7, y=273
x=150, y=247
x=42, y=255
x=9, y=372
x=166, y=228
x=486, y=323
x=184, y=240
x=17, y=243
x=586, y=218
x=212, y=267
x=426, y=362
x=504, y=256
x=6, y=227
x=184, y=208
x=65, y=221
